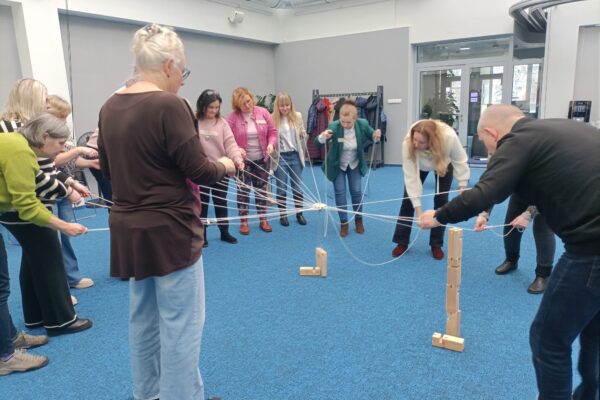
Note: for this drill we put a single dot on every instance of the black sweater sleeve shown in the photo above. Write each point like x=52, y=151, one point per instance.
x=495, y=185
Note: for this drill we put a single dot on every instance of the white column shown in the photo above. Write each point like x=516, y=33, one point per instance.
x=37, y=30
x=560, y=61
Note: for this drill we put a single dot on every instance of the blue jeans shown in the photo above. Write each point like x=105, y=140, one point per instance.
x=7, y=328
x=570, y=303
x=339, y=187
x=65, y=212
x=166, y=318
x=289, y=165
x=589, y=361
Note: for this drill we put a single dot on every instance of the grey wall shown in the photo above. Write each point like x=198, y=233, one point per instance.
x=10, y=67
x=587, y=73
x=101, y=61
x=351, y=63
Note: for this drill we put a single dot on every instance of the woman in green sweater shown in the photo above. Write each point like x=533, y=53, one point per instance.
x=46, y=299
x=347, y=139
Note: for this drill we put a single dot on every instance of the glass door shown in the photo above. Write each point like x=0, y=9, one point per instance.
x=485, y=89
x=526, y=88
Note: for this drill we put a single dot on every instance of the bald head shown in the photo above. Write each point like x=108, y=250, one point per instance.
x=500, y=117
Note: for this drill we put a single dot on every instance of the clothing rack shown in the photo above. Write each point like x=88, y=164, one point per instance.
x=317, y=94
x=378, y=148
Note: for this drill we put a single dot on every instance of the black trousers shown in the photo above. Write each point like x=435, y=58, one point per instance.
x=404, y=227
x=44, y=289
x=104, y=185
x=545, y=243
x=219, y=198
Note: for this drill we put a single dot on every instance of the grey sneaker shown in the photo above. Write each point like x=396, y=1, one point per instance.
x=22, y=361
x=26, y=341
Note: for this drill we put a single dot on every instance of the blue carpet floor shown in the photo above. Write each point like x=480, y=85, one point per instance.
x=364, y=332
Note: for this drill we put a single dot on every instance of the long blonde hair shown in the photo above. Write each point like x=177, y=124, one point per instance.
x=283, y=99
x=27, y=100
x=432, y=132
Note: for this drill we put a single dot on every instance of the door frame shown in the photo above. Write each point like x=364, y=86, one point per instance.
x=465, y=65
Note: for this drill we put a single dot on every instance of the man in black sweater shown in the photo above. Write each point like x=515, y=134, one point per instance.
x=555, y=165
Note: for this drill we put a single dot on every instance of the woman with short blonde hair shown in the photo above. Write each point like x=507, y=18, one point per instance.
x=430, y=145
x=150, y=153
x=347, y=138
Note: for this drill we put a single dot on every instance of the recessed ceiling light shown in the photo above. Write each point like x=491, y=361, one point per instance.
x=465, y=48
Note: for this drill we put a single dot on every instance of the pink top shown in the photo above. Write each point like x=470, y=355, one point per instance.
x=267, y=132
x=218, y=141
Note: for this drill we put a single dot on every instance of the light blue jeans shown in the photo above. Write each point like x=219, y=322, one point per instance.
x=65, y=212
x=166, y=318
x=339, y=187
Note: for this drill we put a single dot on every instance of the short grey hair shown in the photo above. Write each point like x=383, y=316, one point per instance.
x=44, y=123
x=153, y=45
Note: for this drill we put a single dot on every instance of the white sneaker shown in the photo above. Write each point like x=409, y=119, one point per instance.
x=84, y=283
x=22, y=361
x=74, y=300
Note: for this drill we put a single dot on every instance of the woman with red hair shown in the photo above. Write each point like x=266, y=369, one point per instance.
x=256, y=135
x=430, y=145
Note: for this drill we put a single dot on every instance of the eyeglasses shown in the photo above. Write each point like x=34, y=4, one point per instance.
x=185, y=73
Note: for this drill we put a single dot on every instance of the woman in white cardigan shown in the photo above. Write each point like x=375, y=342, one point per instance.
x=288, y=159
x=430, y=145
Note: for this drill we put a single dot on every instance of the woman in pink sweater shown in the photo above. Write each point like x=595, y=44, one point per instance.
x=217, y=141
x=256, y=135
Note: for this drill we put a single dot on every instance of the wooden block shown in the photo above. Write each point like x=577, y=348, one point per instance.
x=321, y=261
x=454, y=246
x=448, y=342
x=310, y=271
x=453, y=324
x=436, y=339
x=453, y=343
x=453, y=276
x=452, y=299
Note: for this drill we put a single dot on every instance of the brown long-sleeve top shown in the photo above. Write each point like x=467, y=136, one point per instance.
x=148, y=146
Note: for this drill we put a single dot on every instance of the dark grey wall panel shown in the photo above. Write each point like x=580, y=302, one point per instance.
x=350, y=63
x=101, y=61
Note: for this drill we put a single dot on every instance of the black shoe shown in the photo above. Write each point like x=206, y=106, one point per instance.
x=301, y=219
x=284, y=221
x=226, y=237
x=79, y=325
x=538, y=285
x=506, y=267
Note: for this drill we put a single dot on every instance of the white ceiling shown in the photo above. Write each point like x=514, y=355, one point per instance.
x=291, y=4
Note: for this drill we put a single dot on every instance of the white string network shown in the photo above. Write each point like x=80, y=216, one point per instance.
x=312, y=202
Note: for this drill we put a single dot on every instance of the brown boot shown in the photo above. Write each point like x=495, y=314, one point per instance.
x=244, y=228
x=344, y=229
x=264, y=225
x=360, y=228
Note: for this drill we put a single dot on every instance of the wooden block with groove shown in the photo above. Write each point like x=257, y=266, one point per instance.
x=321, y=256
x=448, y=342
x=454, y=247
